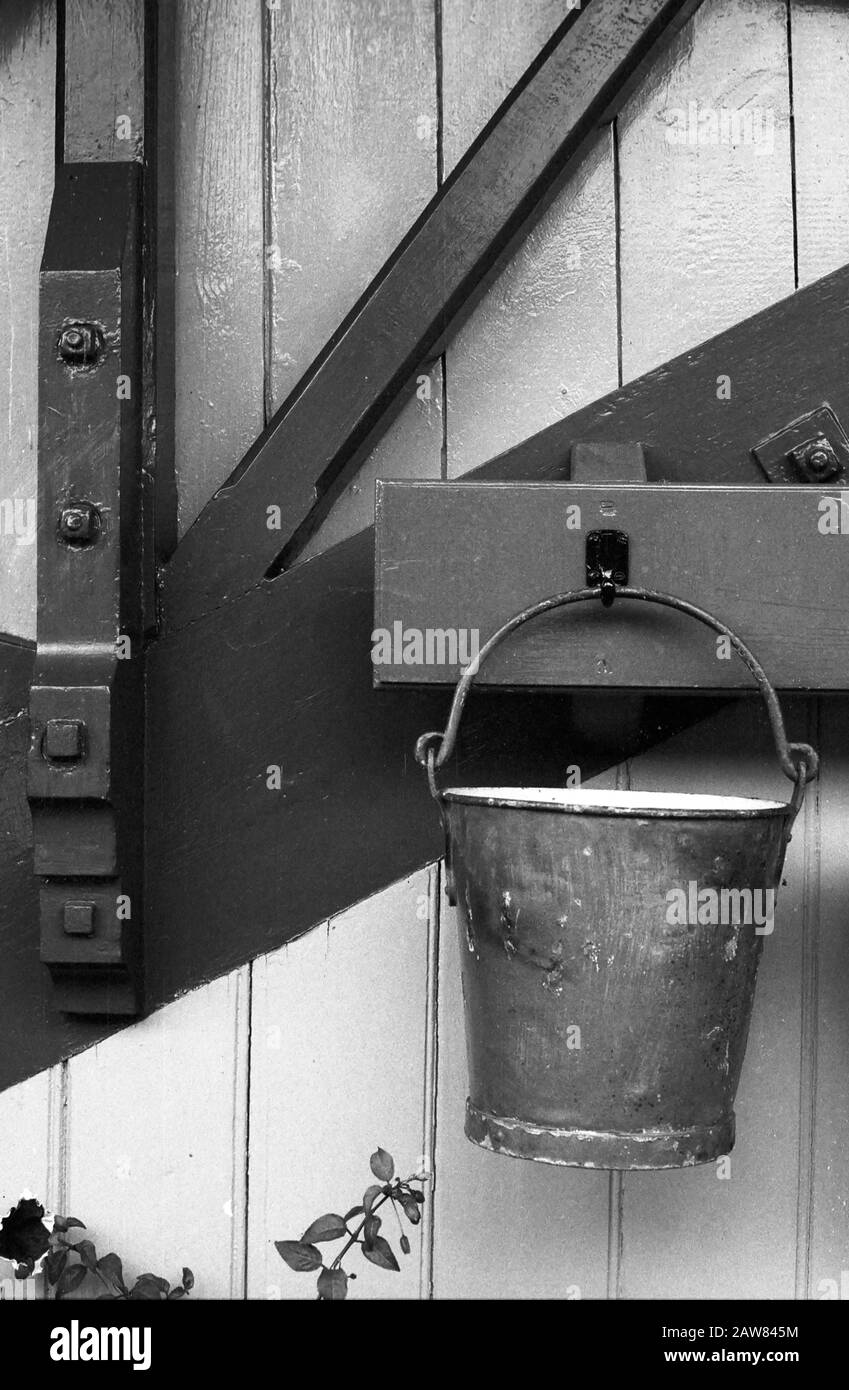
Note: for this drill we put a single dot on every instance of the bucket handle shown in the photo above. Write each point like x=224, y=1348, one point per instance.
x=798, y=761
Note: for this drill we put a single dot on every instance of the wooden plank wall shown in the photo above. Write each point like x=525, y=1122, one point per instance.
x=308, y=136
x=27, y=82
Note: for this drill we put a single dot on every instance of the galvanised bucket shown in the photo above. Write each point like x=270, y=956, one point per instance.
x=610, y=944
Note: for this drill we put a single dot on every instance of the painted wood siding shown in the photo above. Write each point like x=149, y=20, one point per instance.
x=308, y=137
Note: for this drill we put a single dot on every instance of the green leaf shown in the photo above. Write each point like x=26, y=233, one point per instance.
x=380, y=1253
x=87, y=1254
x=298, y=1256
x=355, y=1211
x=112, y=1270
x=188, y=1280
x=330, y=1227
x=370, y=1197
x=71, y=1280
x=382, y=1165
x=54, y=1265
x=332, y=1284
x=179, y=1292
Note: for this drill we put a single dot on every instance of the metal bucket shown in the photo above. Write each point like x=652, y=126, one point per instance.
x=610, y=944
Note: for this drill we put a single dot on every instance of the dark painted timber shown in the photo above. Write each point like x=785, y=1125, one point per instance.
x=334, y=416
x=767, y=561
x=283, y=678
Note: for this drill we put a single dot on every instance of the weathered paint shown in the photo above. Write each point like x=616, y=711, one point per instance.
x=523, y=1229
x=27, y=68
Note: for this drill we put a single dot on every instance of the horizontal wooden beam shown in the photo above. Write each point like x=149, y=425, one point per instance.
x=340, y=407
x=457, y=560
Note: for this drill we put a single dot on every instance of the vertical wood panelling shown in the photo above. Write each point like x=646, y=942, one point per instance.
x=24, y=1142
x=707, y=233
x=219, y=244
x=338, y=1067
x=157, y=1139
x=697, y=1234
x=819, y=36
x=26, y=1151
x=104, y=80
x=27, y=84
x=820, y=87
x=826, y=1266
x=542, y=342
x=706, y=217
x=352, y=163
x=505, y=1228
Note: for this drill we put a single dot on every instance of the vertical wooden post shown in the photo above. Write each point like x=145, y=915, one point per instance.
x=95, y=570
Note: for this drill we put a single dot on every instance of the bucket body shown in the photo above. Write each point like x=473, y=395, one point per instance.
x=609, y=945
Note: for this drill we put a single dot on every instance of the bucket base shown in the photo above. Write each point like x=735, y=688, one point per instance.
x=591, y=1148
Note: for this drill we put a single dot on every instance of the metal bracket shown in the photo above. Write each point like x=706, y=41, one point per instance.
x=86, y=702
x=812, y=449
x=607, y=563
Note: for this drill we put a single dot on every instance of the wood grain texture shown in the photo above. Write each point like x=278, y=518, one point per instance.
x=697, y=1234
x=707, y=232
x=157, y=1140
x=352, y=104
x=542, y=341
x=354, y=161
x=340, y=407
x=338, y=1067
x=104, y=80
x=486, y=45
x=27, y=80
x=219, y=243
x=819, y=35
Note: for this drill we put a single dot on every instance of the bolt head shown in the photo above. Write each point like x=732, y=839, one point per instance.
x=80, y=344
x=79, y=524
x=64, y=740
x=78, y=919
x=816, y=460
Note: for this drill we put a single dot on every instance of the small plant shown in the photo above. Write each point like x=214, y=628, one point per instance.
x=304, y=1256
x=26, y=1240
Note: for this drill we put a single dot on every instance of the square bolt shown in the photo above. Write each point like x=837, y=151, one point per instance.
x=64, y=740
x=78, y=919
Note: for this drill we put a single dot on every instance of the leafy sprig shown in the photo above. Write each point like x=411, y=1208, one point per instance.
x=304, y=1257
x=68, y=1264
x=26, y=1240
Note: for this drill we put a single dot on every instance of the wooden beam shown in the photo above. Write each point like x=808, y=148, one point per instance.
x=283, y=678
x=336, y=413
x=769, y=562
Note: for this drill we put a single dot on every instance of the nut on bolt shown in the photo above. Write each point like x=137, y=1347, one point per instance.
x=79, y=524
x=80, y=344
x=816, y=460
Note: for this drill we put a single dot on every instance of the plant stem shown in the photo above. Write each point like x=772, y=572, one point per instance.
x=356, y=1234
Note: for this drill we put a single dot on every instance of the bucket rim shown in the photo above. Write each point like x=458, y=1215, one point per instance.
x=593, y=801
